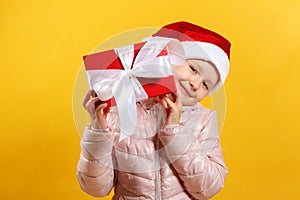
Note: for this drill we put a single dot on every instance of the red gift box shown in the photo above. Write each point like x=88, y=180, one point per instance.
x=109, y=60
x=131, y=73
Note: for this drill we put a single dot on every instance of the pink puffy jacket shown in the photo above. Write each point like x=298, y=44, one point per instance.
x=180, y=161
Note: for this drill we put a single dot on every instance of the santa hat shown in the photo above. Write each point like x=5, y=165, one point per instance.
x=200, y=43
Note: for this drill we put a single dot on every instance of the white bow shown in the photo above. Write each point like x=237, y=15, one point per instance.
x=124, y=86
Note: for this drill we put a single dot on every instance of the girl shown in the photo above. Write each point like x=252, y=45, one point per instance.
x=175, y=152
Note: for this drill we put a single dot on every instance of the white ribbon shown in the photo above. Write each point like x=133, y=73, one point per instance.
x=124, y=86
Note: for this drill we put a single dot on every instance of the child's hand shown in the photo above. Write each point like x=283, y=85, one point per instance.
x=98, y=115
x=173, y=106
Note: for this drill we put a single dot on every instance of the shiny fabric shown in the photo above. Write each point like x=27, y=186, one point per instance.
x=180, y=161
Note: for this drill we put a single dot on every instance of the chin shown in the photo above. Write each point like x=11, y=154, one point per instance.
x=188, y=103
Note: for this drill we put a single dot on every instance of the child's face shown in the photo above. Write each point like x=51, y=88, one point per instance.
x=194, y=80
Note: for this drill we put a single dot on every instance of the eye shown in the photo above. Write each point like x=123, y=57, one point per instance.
x=205, y=85
x=193, y=69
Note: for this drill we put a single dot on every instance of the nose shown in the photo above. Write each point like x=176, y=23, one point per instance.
x=195, y=82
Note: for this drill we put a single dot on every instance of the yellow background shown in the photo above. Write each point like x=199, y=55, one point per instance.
x=41, y=44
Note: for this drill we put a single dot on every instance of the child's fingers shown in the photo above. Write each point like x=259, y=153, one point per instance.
x=101, y=115
x=170, y=103
x=86, y=98
x=101, y=107
x=90, y=105
x=101, y=111
x=163, y=102
x=174, y=106
x=171, y=96
x=106, y=109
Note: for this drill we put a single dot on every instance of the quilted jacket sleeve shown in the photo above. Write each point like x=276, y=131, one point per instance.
x=95, y=171
x=195, y=152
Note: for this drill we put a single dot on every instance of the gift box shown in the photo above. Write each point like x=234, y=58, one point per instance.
x=124, y=75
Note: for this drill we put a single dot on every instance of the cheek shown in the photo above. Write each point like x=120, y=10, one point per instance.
x=181, y=74
x=176, y=75
x=201, y=93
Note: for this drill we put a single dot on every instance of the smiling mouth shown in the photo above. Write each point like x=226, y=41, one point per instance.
x=186, y=91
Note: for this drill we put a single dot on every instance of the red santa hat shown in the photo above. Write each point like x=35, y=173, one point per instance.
x=200, y=43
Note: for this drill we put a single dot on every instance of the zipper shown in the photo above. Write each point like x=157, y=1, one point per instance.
x=157, y=170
